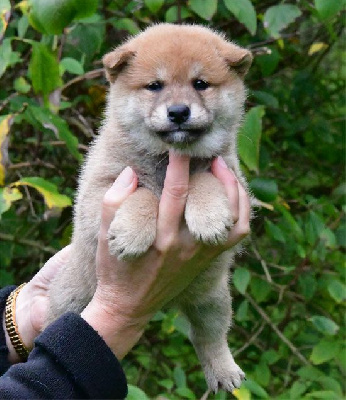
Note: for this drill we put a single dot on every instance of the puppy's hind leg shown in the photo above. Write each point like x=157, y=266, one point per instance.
x=210, y=319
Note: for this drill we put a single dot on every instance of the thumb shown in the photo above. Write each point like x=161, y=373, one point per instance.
x=123, y=186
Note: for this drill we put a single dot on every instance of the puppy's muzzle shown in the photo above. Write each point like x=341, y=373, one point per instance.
x=178, y=113
x=181, y=132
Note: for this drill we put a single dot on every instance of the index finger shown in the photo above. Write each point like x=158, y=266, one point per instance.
x=174, y=195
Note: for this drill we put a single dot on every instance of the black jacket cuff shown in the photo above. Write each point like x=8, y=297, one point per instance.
x=79, y=349
x=4, y=364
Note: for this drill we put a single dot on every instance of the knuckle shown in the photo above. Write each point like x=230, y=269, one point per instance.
x=177, y=191
x=167, y=242
x=110, y=202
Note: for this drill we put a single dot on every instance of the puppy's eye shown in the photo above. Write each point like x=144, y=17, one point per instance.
x=199, y=84
x=154, y=86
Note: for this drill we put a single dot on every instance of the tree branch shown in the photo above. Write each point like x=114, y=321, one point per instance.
x=27, y=242
x=292, y=347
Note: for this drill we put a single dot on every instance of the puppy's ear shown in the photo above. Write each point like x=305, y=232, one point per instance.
x=237, y=58
x=116, y=60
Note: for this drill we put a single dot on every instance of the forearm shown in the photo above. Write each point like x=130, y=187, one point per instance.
x=70, y=360
x=119, y=333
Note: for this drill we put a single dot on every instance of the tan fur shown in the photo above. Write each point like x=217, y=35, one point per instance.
x=133, y=133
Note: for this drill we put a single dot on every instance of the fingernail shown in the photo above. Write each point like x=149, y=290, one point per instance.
x=221, y=162
x=125, y=178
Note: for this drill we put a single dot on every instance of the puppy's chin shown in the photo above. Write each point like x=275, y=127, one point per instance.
x=180, y=138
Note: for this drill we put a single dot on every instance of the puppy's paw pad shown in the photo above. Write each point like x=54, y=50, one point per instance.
x=228, y=377
x=128, y=243
x=209, y=227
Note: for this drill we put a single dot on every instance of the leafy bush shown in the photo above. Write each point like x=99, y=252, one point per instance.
x=289, y=287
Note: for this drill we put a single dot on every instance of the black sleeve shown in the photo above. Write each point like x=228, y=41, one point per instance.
x=4, y=364
x=69, y=361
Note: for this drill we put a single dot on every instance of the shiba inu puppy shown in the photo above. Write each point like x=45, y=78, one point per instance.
x=171, y=87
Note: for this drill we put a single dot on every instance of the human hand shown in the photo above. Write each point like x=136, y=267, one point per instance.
x=32, y=303
x=129, y=293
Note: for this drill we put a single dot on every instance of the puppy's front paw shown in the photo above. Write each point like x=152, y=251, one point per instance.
x=127, y=242
x=207, y=212
x=133, y=229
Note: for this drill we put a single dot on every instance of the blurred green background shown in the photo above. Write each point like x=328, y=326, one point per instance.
x=289, y=285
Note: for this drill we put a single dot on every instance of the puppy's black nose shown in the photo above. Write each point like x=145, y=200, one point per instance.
x=178, y=113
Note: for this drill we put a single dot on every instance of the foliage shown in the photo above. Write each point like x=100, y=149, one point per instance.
x=289, y=287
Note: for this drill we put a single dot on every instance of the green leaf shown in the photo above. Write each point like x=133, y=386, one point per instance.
x=309, y=372
x=51, y=16
x=291, y=223
x=262, y=373
x=154, y=5
x=324, y=325
x=264, y=189
x=44, y=69
x=167, y=325
x=245, y=13
x=241, y=394
x=5, y=124
x=276, y=18
x=260, y=289
x=203, y=8
x=249, y=138
x=7, y=197
x=179, y=377
x=23, y=24
x=71, y=65
x=126, y=24
x=274, y=231
x=159, y=316
x=87, y=9
x=268, y=62
x=313, y=227
x=307, y=285
x=59, y=126
x=172, y=14
x=328, y=237
x=21, y=85
x=47, y=189
x=241, y=279
x=265, y=98
x=242, y=311
x=135, y=393
x=323, y=394
x=270, y=356
x=87, y=39
x=255, y=388
x=328, y=8
x=185, y=393
x=182, y=325
x=166, y=383
x=297, y=389
x=337, y=290
x=329, y=383
x=5, y=55
x=5, y=8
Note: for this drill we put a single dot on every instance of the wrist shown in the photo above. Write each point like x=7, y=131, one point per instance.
x=23, y=316
x=16, y=325
x=13, y=356
x=120, y=333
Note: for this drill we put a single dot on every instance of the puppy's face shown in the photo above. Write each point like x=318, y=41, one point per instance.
x=178, y=87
